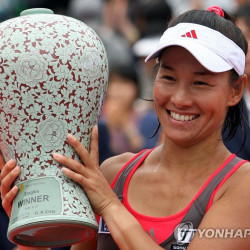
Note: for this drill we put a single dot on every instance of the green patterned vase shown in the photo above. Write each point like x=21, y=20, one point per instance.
x=54, y=75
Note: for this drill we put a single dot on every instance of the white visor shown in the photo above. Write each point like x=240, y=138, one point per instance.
x=213, y=50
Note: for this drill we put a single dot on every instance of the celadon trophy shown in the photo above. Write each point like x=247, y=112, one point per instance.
x=54, y=76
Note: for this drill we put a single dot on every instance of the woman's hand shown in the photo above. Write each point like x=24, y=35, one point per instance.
x=9, y=172
x=125, y=229
x=88, y=173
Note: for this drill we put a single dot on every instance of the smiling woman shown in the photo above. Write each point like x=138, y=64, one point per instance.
x=190, y=191
x=183, y=92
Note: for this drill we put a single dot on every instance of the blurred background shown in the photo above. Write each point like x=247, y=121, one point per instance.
x=129, y=29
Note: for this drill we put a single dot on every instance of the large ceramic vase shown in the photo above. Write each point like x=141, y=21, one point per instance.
x=53, y=81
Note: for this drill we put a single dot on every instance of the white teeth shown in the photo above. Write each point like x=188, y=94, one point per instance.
x=179, y=117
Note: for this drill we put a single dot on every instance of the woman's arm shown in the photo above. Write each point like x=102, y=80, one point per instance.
x=125, y=229
x=228, y=219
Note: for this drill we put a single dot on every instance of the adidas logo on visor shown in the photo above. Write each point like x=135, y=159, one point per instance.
x=191, y=34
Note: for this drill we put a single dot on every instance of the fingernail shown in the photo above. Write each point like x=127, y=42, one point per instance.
x=16, y=169
x=71, y=138
x=15, y=189
x=65, y=170
x=57, y=156
x=11, y=161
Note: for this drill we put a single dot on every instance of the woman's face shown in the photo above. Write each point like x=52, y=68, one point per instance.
x=191, y=102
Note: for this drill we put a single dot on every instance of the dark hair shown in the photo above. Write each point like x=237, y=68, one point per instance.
x=226, y=26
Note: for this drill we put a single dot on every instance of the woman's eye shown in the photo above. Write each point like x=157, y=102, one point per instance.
x=169, y=78
x=200, y=83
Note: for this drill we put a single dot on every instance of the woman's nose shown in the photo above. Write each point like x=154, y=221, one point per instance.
x=182, y=97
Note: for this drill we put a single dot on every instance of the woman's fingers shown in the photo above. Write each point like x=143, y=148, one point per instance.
x=94, y=150
x=7, y=168
x=88, y=174
x=73, y=175
x=76, y=170
x=79, y=148
x=70, y=163
x=9, y=174
x=7, y=200
x=90, y=159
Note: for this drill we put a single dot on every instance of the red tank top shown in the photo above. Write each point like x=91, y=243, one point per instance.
x=161, y=228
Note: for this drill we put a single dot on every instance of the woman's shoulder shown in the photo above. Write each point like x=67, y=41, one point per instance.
x=239, y=181
x=111, y=167
x=242, y=176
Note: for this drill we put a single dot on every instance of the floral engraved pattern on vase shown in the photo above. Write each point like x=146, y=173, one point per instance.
x=80, y=195
x=54, y=75
x=82, y=198
x=91, y=64
x=31, y=68
x=52, y=134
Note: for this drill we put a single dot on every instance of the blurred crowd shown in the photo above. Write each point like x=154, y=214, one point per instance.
x=129, y=30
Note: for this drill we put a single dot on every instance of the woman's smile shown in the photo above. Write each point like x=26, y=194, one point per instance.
x=181, y=117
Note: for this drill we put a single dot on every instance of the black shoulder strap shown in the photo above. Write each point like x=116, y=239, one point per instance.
x=118, y=189
x=197, y=210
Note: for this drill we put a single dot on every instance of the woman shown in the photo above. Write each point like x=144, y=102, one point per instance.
x=191, y=183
